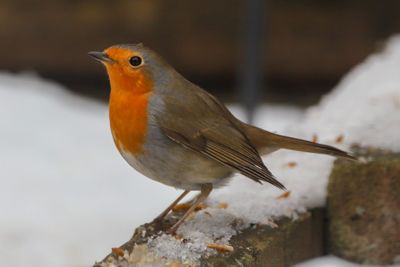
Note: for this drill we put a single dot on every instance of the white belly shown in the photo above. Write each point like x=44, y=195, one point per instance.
x=174, y=165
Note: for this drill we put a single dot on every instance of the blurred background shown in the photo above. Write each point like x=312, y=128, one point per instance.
x=303, y=46
x=66, y=195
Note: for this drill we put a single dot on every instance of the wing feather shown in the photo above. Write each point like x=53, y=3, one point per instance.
x=242, y=160
x=201, y=123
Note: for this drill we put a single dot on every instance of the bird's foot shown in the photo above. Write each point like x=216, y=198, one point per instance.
x=187, y=205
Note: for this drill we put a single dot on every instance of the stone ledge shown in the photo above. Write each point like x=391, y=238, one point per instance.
x=291, y=242
x=364, y=208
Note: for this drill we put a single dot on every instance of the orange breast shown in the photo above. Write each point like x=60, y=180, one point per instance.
x=128, y=111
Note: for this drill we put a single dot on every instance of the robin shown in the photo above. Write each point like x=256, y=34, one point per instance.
x=174, y=132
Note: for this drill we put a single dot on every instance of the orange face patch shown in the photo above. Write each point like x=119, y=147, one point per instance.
x=130, y=91
x=124, y=76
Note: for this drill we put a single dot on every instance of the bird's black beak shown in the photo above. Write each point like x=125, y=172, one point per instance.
x=101, y=56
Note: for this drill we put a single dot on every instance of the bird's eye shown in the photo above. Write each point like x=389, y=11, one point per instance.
x=135, y=61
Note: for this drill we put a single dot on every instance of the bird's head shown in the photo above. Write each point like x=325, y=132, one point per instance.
x=132, y=67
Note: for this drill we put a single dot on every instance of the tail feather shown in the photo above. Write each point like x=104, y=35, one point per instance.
x=266, y=142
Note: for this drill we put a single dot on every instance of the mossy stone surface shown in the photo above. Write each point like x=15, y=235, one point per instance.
x=364, y=208
x=291, y=242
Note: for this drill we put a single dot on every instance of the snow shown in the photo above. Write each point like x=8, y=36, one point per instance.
x=67, y=196
x=332, y=261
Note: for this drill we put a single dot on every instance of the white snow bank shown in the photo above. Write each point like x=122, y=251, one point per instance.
x=332, y=261
x=66, y=195
x=364, y=108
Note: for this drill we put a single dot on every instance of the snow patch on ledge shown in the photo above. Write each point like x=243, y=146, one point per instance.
x=364, y=108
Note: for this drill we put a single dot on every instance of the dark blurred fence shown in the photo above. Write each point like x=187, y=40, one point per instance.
x=310, y=44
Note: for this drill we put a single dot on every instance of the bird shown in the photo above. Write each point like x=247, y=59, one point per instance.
x=176, y=133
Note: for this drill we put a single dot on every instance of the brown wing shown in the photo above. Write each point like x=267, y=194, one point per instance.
x=206, y=130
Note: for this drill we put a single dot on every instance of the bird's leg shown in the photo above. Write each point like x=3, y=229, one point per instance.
x=186, y=205
x=165, y=212
x=205, y=191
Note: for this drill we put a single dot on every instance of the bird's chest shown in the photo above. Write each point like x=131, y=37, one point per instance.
x=129, y=121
